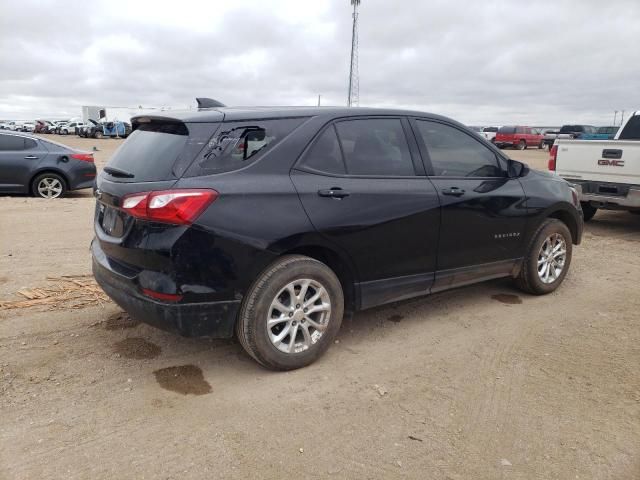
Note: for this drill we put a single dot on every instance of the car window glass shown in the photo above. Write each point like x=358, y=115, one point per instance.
x=507, y=130
x=9, y=143
x=453, y=153
x=324, y=154
x=375, y=146
x=237, y=144
x=29, y=143
x=631, y=130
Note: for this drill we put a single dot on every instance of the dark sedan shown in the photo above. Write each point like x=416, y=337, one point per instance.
x=29, y=164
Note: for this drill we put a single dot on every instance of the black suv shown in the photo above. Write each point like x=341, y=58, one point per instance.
x=274, y=222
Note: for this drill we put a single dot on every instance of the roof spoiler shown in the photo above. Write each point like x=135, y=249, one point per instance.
x=208, y=103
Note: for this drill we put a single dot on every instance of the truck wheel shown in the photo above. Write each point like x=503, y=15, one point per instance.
x=541, y=146
x=547, y=260
x=588, y=210
x=291, y=314
x=522, y=145
x=97, y=134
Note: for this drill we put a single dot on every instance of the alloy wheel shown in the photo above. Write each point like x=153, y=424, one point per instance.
x=49, y=187
x=552, y=258
x=298, y=315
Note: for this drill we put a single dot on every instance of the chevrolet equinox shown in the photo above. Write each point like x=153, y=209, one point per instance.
x=271, y=223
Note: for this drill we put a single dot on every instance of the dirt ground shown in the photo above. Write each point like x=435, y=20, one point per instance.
x=477, y=383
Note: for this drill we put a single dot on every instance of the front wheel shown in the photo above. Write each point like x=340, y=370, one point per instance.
x=291, y=314
x=547, y=260
x=522, y=145
x=541, y=146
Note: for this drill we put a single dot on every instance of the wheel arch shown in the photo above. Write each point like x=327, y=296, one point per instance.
x=570, y=221
x=340, y=267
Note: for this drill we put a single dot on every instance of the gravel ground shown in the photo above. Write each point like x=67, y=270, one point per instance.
x=478, y=383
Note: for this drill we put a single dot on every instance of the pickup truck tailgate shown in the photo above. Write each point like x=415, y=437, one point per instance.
x=609, y=161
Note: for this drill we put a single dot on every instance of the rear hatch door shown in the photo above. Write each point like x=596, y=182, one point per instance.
x=153, y=158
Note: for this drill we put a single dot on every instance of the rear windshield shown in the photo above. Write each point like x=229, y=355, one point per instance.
x=608, y=130
x=631, y=130
x=507, y=130
x=150, y=152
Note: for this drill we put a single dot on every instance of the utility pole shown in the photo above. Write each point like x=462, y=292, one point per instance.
x=353, y=98
x=622, y=118
x=615, y=116
x=319, y=99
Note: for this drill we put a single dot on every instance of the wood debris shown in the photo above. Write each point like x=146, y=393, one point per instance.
x=63, y=293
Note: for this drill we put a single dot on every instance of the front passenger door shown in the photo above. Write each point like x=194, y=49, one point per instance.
x=483, y=210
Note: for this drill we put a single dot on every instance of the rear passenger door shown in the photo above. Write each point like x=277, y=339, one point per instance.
x=19, y=156
x=483, y=210
x=363, y=186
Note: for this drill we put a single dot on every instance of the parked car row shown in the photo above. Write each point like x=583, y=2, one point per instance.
x=580, y=132
x=87, y=129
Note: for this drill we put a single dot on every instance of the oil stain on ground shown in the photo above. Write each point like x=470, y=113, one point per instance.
x=137, y=348
x=395, y=318
x=507, y=298
x=120, y=321
x=184, y=379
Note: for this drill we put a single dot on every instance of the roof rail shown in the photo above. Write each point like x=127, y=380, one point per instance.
x=204, y=102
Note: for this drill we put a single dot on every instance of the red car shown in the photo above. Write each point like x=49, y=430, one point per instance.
x=519, y=137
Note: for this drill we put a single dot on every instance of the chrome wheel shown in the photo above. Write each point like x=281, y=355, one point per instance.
x=49, y=187
x=298, y=316
x=552, y=258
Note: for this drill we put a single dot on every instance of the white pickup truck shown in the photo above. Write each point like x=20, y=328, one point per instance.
x=606, y=173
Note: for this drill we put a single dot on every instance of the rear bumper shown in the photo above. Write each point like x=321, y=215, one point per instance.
x=214, y=319
x=629, y=199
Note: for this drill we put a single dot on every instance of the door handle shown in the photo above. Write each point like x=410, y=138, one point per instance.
x=30, y=157
x=611, y=153
x=453, y=191
x=333, y=192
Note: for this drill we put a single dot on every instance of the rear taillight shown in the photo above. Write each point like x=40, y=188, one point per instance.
x=165, y=297
x=180, y=207
x=85, y=157
x=553, y=155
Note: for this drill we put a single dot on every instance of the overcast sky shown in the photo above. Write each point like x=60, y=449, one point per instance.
x=480, y=62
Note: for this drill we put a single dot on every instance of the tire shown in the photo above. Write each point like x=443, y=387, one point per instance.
x=530, y=279
x=261, y=341
x=97, y=134
x=588, y=210
x=64, y=132
x=541, y=146
x=522, y=144
x=48, y=185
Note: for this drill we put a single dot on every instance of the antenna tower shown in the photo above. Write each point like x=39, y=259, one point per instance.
x=354, y=79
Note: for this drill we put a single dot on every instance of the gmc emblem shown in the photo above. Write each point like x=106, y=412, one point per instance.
x=611, y=163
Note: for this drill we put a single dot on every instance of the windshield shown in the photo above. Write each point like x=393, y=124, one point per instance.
x=507, y=130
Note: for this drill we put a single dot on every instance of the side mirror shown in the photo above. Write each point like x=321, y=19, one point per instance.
x=516, y=169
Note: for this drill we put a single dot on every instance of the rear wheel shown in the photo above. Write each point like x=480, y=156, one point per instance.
x=522, y=145
x=588, y=211
x=48, y=185
x=98, y=134
x=547, y=260
x=291, y=314
x=541, y=145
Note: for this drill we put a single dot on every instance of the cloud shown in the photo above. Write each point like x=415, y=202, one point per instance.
x=490, y=62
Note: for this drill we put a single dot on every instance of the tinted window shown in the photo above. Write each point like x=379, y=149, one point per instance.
x=375, y=146
x=455, y=154
x=150, y=151
x=571, y=129
x=237, y=144
x=324, y=154
x=507, y=130
x=490, y=129
x=11, y=143
x=631, y=130
x=30, y=143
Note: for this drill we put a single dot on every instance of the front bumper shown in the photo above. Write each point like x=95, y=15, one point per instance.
x=625, y=197
x=214, y=319
x=504, y=144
